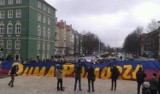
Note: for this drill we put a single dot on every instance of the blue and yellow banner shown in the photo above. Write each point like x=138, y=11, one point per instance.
x=128, y=69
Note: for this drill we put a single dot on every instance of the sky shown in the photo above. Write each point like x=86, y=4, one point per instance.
x=111, y=20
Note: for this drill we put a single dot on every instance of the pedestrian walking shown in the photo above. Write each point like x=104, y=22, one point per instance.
x=140, y=75
x=14, y=69
x=78, y=71
x=91, y=78
x=114, y=76
x=59, y=77
x=154, y=84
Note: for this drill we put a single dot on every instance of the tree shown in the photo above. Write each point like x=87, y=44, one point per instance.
x=90, y=43
x=153, y=25
x=132, y=43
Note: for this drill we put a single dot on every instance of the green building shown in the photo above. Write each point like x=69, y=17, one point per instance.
x=27, y=29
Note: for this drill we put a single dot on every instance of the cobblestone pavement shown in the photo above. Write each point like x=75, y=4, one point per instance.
x=47, y=85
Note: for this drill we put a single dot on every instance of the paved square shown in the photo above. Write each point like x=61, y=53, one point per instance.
x=47, y=85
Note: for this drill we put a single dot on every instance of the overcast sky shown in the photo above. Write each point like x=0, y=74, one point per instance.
x=111, y=20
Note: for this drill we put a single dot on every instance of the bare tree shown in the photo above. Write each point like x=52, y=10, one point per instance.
x=153, y=25
x=132, y=43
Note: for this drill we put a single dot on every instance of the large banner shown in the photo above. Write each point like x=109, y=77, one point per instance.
x=128, y=69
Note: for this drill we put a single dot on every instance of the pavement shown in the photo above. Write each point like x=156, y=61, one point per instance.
x=47, y=85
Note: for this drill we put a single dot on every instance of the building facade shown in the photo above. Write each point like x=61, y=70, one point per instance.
x=27, y=29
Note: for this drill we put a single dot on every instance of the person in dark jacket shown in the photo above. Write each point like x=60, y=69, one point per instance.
x=78, y=71
x=12, y=74
x=114, y=76
x=154, y=84
x=140, y=75
x=91, y=78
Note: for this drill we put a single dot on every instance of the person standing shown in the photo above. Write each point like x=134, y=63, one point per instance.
x=59, y=78
x=154, y=84
x=78, y=71
x=140, y=75
x=114, y=76
x=91, y=78
x=12, y=75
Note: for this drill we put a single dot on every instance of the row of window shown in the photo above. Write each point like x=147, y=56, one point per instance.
x=43, y=45
x=10, y=2
x=10, y=28
x=44, y=32
x=44, y=19
x=18, y=45
x=9, y=44
x=10, y=14
x=44, y=7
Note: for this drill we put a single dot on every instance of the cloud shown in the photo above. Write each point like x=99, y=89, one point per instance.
x=112, y=20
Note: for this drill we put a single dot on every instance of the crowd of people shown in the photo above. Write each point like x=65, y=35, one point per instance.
x=148, y=87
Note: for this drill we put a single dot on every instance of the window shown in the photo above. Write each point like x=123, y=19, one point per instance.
x=1, y=44
x=48, y=33
x=2, y=2
x=10, y=13
x=48, y=46
x=10, y=2
x=17, y=56
x=2, y=28
x=39, y=5
x=49, y=11
x=18, y=1
x=38, y=45
x=44, y=19
x=44, y=7
x=43, y=46
x=9, y=28
x=44, y=32
x=48, y=55
x=18, y=13
x=17, y=44
x=18, y=28
x=49, y=21
x=39, y=17
x=9, y=44
x=39, y=30
x=2, y=14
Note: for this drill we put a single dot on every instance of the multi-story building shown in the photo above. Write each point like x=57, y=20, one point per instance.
x=68, y=40
x=152, y=45
x=60, y=44
x=27, y=29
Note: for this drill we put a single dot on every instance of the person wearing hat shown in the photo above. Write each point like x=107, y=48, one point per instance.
x=154, y=84
x=140, y=75
x=12, y=74
x=59, y=78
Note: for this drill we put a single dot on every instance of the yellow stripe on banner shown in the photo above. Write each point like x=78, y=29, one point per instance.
x=104, y=73
x=50, y=72
x=120, y=71
x=42, y=71
x=25, y=72
x=36, y=71
x=30, y=71
x=96, y=72
x=68, y=70
x=83, y=72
